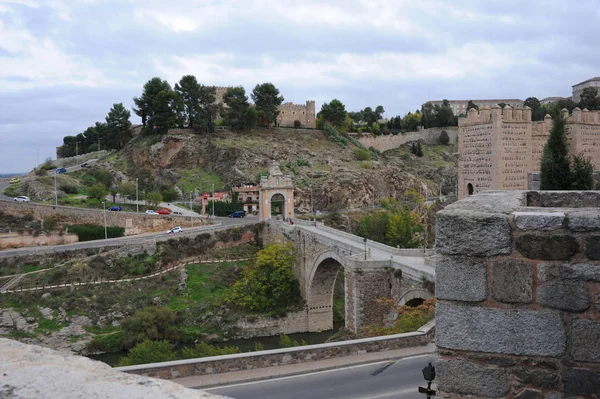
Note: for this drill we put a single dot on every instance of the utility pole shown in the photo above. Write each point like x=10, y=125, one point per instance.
x=373, y=197
x=213, y=199
x=137, y=204
x=191, y=194
x=76, y=151
x=312, y=208
x=55, y=192
x=105, y=230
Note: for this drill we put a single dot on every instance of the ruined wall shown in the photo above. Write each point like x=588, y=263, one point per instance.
x=290, y=112
x=389, y=142
x=518, y=289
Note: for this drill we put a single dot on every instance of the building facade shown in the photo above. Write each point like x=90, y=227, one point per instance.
x=498, y=147
x=578, y=88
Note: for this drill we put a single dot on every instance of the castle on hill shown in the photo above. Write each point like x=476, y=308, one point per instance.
x=498, y=147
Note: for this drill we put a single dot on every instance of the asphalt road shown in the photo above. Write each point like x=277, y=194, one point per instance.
x=383, y=380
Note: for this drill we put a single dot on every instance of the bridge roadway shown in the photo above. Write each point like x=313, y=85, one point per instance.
x=413, y=266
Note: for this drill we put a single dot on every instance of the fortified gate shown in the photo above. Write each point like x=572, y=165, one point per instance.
x=276, y=186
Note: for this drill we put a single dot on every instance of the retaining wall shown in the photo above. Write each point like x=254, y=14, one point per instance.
x=15, y=240
x=279, y=357
x=389, y=142
x=518, y=289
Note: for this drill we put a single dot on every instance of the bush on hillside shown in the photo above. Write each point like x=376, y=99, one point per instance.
x=149, y=324
x=89, y=232
x=362, y=154
x=148, y=352
x=444, y=138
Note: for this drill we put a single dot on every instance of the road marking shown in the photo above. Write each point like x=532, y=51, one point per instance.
x=308, y=374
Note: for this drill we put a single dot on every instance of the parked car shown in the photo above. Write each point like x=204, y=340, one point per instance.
x=14, y=180
x=163, y=211
x=116, y=208
x=61, y=170
x=85, y=165
x=177, y=213
x=151, y=212
x=175, y=230
x=22, y=198
x=238, y=214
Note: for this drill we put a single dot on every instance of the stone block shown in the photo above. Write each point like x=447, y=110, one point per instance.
x=584, y=221
x=585, y=340
x=512, y=281
x=581, y=381
x=461, y=232
x=466, y=378
x=461, y=278
x=539, y=220
x=569, y=295
x=555, y=247
x=578, y=271
x=538, y=377
x=592, y=247
x=508, y=331
x=529, y=394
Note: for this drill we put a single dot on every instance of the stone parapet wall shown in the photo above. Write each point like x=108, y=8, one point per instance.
x=134, y=223
x=262, y=326
x=279, y=357
x=15, y=240
x=389, y=142
x=518, y=289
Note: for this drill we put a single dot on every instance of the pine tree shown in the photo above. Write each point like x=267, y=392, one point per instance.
x=555, y=170
x=582, y=174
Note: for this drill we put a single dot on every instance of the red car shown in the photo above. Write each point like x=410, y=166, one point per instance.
x=163, y=211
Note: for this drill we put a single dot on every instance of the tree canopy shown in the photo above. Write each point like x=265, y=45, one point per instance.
x=267, y=101
x=555, y=170
x=159, y=106
x=589, y=99
x=333, y=112
x=238, y=114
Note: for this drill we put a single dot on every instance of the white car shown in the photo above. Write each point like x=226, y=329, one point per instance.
x=175, y=230
x=151, y=212
x=22, y=198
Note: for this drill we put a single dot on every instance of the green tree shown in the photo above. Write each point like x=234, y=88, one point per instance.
x=148, y=352
x=168, y=194
x=118, y=127
x=419, y=150
x=127, y=190
x=589, y=99
x=379, y=111
x=333, y=112
x=582, y=174
x=411, y=122
x=208, y=109
x=159, y=106
x=267, y=101
x=236, y=113
x=149, y=324
x=538, y=112
x=188, y=89
x=270, y=283
x=404, y=230
x=154, y=197
x=471, y=104
x=444, y=138
x=554, y=166
x=97, y=191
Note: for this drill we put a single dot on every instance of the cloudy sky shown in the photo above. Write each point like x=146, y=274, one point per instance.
x=64, y=63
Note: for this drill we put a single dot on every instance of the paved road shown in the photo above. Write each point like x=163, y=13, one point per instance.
x=221, y=224
x=383, y=380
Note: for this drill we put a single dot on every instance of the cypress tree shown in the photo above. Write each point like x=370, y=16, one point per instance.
x=555, y=171
x=419, y=152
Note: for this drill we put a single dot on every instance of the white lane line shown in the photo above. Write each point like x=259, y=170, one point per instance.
x=308, y=374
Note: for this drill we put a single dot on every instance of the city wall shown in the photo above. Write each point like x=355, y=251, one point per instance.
x=498, y=147
x=389, y=142
x=134, y=223
x=518, y=290
x=281, y=357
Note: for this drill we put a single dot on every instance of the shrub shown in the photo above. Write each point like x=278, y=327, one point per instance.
x=40, y=172
x=148, y=352
x=149, y=324
x=202, y=349
x=362, y=154
x=89, y=232
x=69, y=188
x=444, y=139
x=97, y=191
x=50, y=223
x=333, y=135
x=286, y=342
x=169, y=194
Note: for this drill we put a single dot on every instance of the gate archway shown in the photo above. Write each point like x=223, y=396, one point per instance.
x=276, y=185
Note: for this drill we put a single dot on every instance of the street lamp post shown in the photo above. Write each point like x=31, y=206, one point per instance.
x=373, y=197
x=76, y=152
x=55, y=192
x=105, y=230
x=213, y=199
x=365, y=239
x=137, y=204
x=312, y=208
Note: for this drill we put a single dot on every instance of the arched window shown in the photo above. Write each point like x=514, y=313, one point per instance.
x=470, y=188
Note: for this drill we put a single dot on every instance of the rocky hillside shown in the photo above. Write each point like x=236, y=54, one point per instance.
x=337, y=178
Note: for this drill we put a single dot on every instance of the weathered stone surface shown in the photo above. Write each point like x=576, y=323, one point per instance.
x=581, y=382
x=461, y=278
x=541, y=378
x=567, y=295
x=592, y=247
x=464, y=377
x=529, y=394
x=556, y=247
x=578, y=271
x=512, y=281
x=34, y=372
x=584, y=221
x=510, y=331
x=472, y=233
x=585, y=340
x=554, y=395
x=539, y=220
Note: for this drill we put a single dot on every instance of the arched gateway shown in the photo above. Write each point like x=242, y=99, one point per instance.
x=276, y=187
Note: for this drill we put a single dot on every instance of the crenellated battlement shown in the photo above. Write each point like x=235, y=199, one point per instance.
x=496, y=114
x=583, y=116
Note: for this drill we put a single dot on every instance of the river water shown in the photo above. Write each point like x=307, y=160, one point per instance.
x=245, y=345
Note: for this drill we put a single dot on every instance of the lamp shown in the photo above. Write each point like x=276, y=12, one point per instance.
x=429, y=375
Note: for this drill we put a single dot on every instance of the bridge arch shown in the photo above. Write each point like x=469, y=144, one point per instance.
x=415, y=297
x=321, y=285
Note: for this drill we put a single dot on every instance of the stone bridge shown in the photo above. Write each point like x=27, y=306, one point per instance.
x=372, y=271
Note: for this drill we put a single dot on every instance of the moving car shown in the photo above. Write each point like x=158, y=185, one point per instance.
x=151, y=212
x=61, y=170
x=22, y=198
x=163, y=211
x=116, y=208
x=177, y=213
x=14, y=180
x=238, y=214
x=175, y=230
